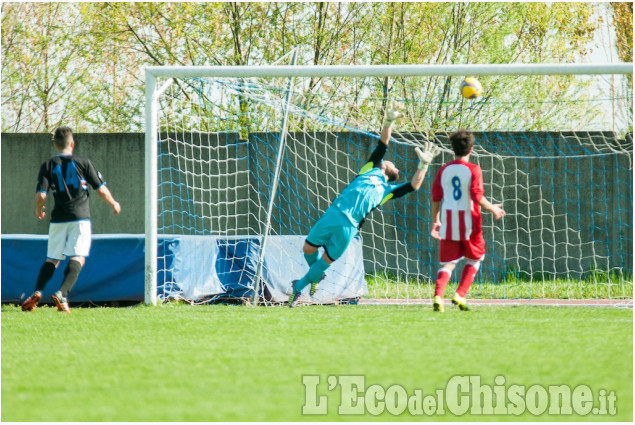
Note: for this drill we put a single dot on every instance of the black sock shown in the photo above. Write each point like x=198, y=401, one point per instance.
x=46, y=272
x=70, y=277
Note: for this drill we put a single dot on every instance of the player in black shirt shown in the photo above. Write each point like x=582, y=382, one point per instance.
x=68, y=176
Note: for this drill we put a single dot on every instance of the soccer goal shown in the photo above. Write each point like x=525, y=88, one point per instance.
x=241, y=161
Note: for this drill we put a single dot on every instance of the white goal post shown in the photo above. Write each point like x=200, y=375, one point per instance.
x=159, y=78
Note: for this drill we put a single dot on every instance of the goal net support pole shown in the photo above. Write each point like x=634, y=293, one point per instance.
x=151, y=240
x=272, y=198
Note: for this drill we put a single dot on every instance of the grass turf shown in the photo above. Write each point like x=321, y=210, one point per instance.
x=208, y=363
x=388, y=286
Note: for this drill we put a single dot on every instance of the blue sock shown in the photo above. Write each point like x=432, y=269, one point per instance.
x=313, y=275
x=311, y=258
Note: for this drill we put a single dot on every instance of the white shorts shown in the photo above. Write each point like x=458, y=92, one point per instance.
x=70, y=239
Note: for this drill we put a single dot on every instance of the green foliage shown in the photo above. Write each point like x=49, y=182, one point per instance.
x=623, y=24
x=231, y=363
x=82, y=64
x=41, y=63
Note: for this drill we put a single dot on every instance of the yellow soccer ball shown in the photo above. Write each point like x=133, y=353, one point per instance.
x=471, y=88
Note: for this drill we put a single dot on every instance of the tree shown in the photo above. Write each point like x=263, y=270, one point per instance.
x=449, y=33
x=623, y=24
x=42, y=65
x=82, y=63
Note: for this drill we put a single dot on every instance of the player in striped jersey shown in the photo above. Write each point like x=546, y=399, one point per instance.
x=341, y=221
x=457, y=198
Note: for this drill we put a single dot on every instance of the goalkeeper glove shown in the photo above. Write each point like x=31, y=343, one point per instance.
x=392, y=115
x=427, y=154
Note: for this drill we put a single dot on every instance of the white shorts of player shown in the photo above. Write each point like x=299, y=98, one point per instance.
x=70, y=239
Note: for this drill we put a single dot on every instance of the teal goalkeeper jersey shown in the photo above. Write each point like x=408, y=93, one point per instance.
x=366, y=192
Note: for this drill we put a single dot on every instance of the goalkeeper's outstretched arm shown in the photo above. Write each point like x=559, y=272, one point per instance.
x=426, y=154
x=378, y=154
x=392, y=115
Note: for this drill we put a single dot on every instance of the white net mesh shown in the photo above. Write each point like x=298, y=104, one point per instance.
x=564, y=180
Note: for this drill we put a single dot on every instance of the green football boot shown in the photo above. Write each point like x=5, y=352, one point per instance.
x=460, y=302
x=437, y=304
x=314, y=286
x=294, y=298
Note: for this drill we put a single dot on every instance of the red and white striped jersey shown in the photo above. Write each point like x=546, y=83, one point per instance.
x=459, y=184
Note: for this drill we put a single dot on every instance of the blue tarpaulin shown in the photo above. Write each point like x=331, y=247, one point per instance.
x=113, y=272
x=189, y=267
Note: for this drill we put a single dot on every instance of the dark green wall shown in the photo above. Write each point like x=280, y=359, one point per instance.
x=566, y=211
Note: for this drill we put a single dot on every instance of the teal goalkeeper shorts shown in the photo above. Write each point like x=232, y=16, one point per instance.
x=334, y=231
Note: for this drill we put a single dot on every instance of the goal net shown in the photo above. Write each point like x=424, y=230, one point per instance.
x=245, y=166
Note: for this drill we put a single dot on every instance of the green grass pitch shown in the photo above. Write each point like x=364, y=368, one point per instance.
x=209, y=363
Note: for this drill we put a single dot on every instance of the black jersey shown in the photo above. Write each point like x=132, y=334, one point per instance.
x=68, y=176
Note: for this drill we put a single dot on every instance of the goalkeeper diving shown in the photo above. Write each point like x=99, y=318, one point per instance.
x=341, y=222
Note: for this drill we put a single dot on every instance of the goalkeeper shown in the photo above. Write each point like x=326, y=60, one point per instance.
x=341, y=221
